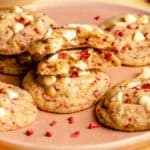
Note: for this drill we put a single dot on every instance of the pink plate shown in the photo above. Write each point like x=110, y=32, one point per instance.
x=90, y=139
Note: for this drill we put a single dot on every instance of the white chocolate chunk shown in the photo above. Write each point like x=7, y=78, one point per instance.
x=57, y=44
x=67, y=80
x=69, y=34
x=12, y=94
x=81, y=65
x=49, y=80
x=122, y=24
x=87, y=27
x=138, y=36
x=51, y=91
x=129, y=18
x=133, y=84
x=84, y=26
x=18, y=27
x=145, y=101
x=118, y=97
x=84, y=73
x=40, y=25
x=18, y=9
x=74, y=42
x=144, y=19
x=74, y=56
x=48, y=33
x=100, y=30
x=52, y=58
x=2, y=112
x=29, y=17
x=145, y=73
x=63, y=68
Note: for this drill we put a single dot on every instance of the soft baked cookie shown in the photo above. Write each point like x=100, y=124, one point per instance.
x=126, y=106
x=16, y=107
x=132, y=34
x=65, y=61
x=19, y=27
x=67, y=94
x=71, y=36
x=15, y=64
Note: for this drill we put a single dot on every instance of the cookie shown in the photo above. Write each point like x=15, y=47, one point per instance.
x=126, y=106
x=132, y=38
x=15, y=64
x=66, y=94
x=19, y=27
x=63, y=62
x=70, y=37
x=16, y=107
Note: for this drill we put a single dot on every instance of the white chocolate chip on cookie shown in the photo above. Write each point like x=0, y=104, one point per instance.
x=12, y=94
x=18, y=27
x=144, y=19
x=48, y=34
x=145, y=101
x=51, y=91
x=2, y=112
x=118, y=97
x=81, y=65
x=129, y=18
x=69, y=35
x=18, y=9
x=84, y=73
x=145, y=73
x=133, y=84
x=138, y=36
x=49, y=80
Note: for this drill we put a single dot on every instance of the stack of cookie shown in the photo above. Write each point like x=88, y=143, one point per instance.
x=18, y=28
x=68, y=78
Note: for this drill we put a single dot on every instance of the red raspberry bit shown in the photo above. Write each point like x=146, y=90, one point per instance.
x=74, y=74
x=53, y=123
x=107, y=29
x=115, y=51
x=126, y=126
x=1, y=91
x=29, y=132
x=84, y=55
x=128, y=100
x=36, y=30
x=129, y=26
x=93, y=125
x=108, y=55
x=146, y=86
x=96, y=17
x=70, y=120
x=75, y=134
x=48, y=134
x=62, y=55
x=119, y=33
x=27, y=24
